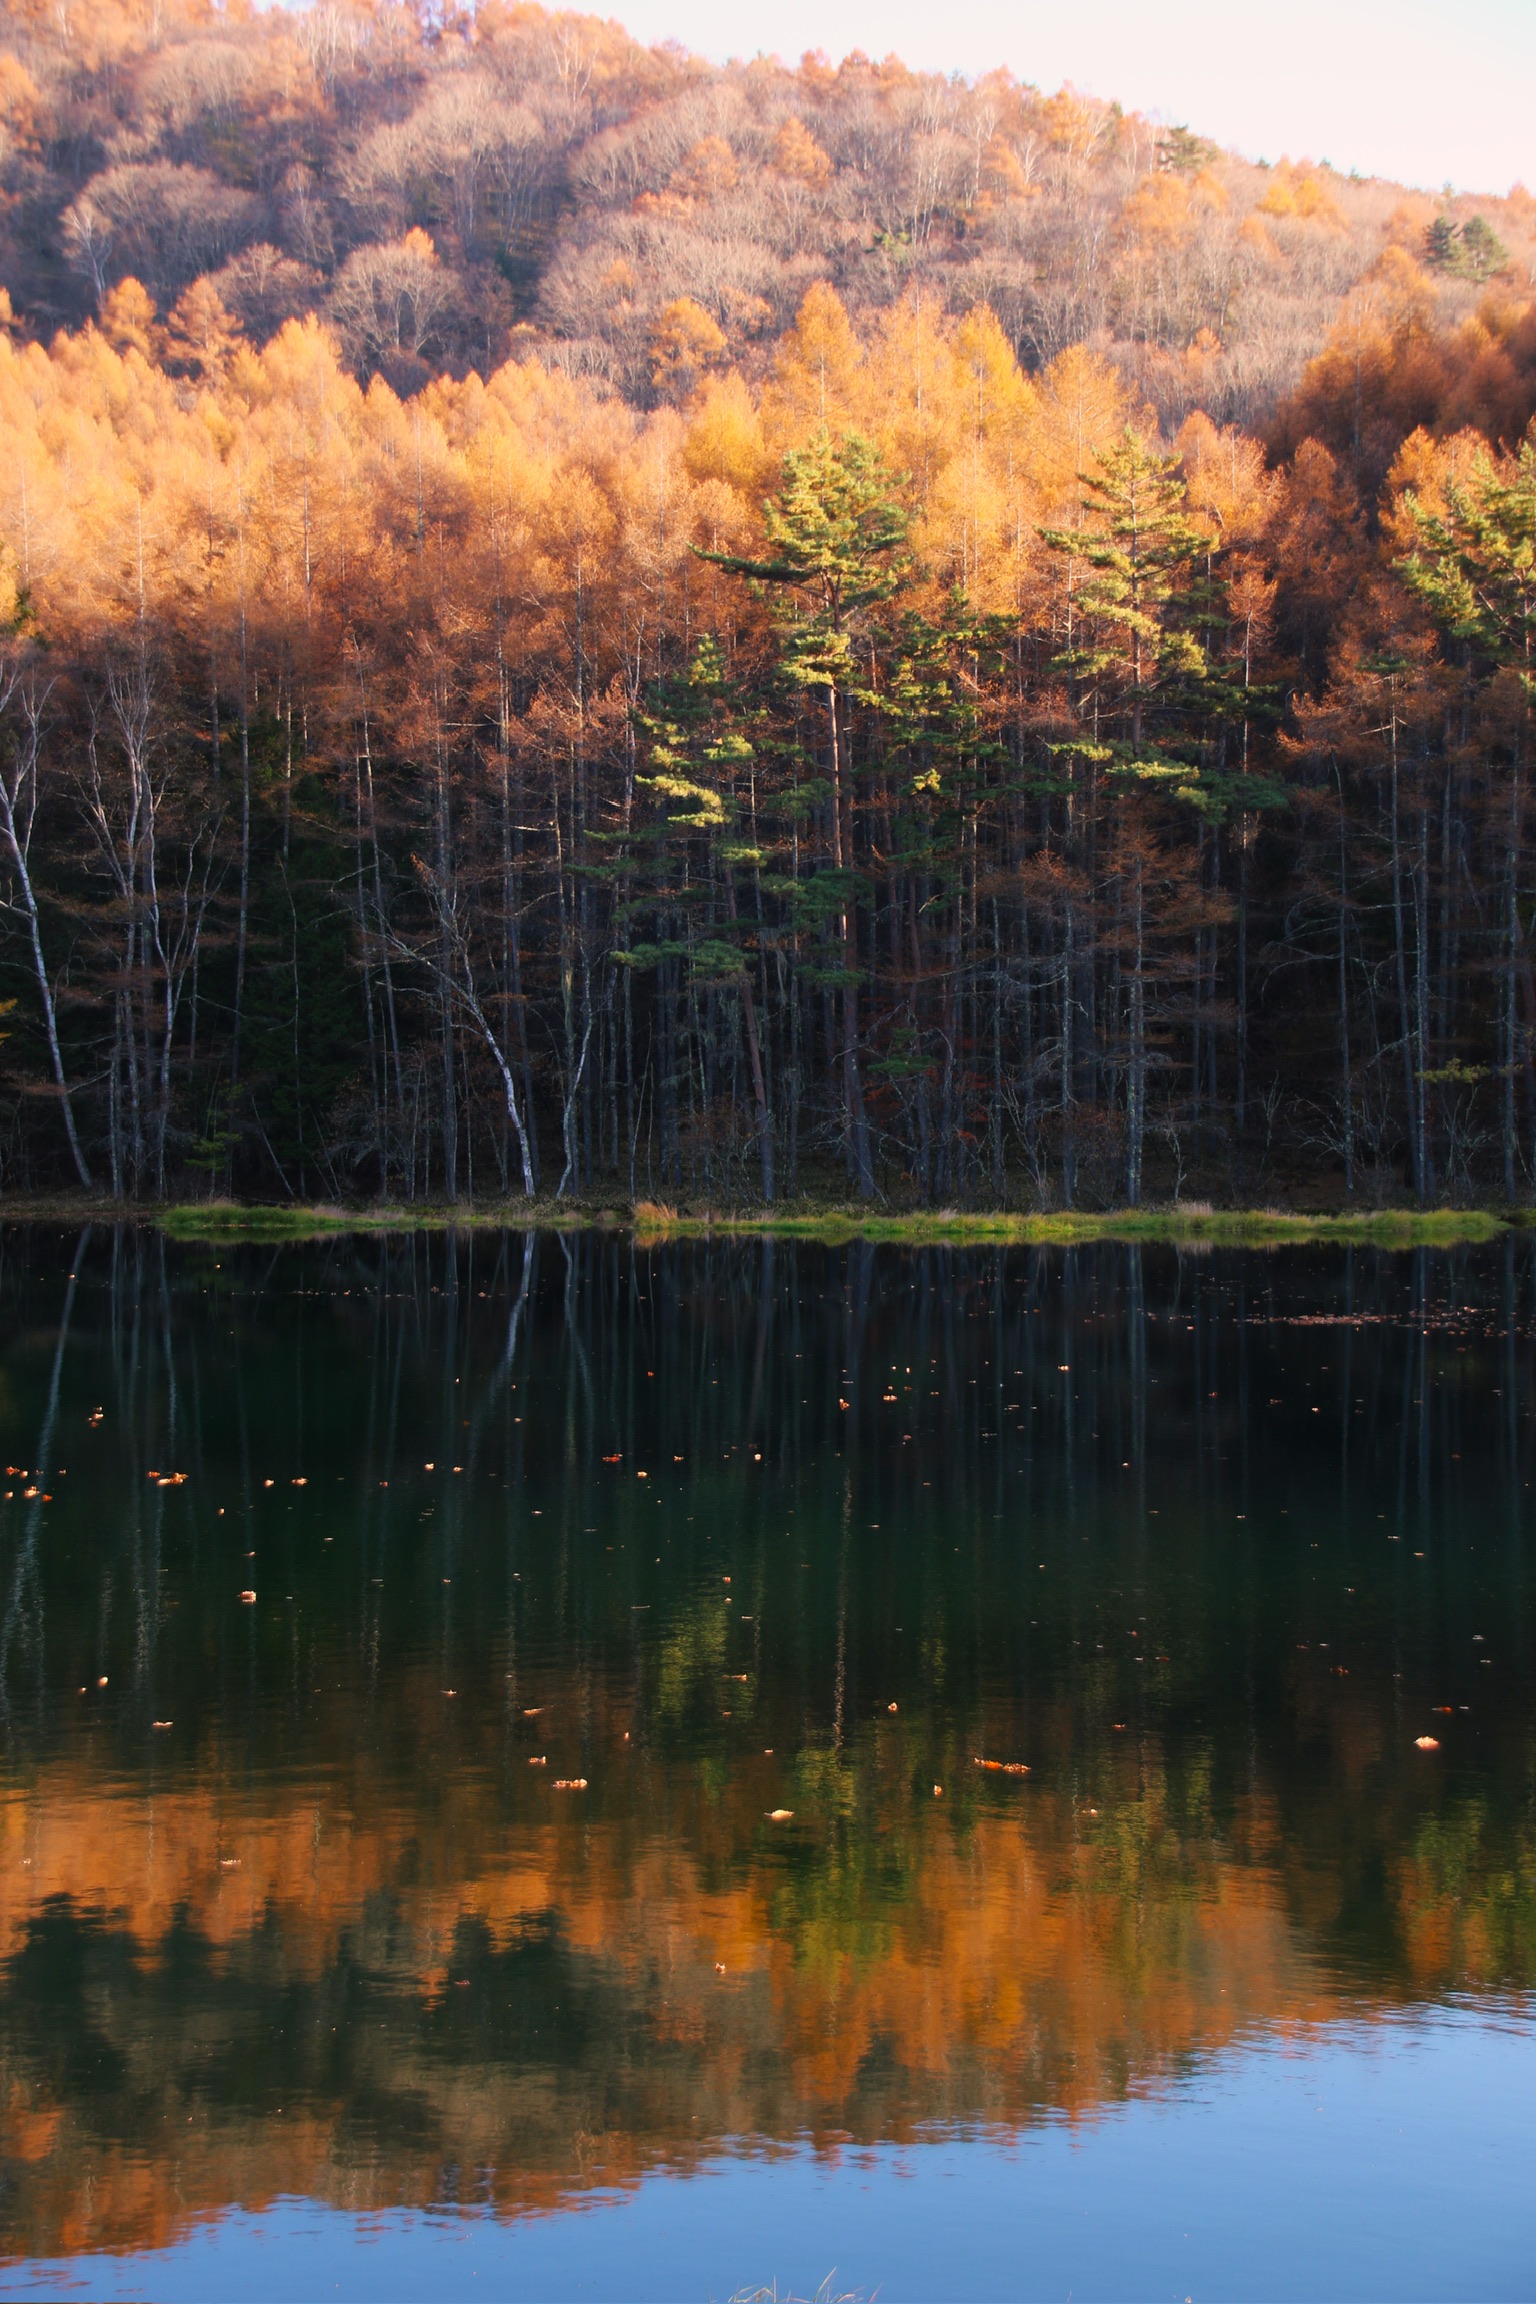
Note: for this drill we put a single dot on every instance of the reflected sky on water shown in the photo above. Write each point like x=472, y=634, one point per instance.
x=641, y=1766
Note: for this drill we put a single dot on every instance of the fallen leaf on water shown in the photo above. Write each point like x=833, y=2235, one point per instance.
x=249, y=1598
x=613, y=1459
x=719, y=1967
x=891, y=1707
x=540, y=1761
x=1427, y=1743
x=570, y=1783
x=938, y=1791
x=1005, y=1767
x=162, y=1723
x=780, y=1815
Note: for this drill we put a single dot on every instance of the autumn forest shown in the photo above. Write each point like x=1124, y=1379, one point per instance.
x=578, y=624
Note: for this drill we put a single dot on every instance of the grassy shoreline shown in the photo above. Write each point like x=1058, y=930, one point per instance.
x=1196, y=1226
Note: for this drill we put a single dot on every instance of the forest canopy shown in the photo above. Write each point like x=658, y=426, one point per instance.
x=578, y=622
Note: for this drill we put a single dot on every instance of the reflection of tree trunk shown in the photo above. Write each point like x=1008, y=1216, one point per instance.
x=24, y=1574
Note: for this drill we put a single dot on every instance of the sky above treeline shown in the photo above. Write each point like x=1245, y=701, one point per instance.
x=1428, y=94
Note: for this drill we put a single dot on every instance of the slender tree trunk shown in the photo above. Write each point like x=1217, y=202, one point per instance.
x=18, y=804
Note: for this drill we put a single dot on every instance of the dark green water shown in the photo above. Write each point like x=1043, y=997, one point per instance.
x=438, y=1892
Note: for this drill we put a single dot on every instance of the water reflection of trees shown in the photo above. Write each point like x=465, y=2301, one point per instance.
x=332, y=1889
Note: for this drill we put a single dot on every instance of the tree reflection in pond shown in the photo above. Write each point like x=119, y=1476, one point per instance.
x=1206, y=1542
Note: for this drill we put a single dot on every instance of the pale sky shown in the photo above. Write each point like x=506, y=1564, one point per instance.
x=1427, y=93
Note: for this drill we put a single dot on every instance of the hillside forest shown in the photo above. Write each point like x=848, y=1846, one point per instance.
x=577, y=623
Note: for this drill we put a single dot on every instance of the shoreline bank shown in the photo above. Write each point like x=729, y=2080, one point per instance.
x=832, y=1226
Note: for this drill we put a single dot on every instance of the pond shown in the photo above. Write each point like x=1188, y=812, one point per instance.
x=533, y=1760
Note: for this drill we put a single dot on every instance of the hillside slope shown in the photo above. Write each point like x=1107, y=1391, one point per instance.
x=449, y=189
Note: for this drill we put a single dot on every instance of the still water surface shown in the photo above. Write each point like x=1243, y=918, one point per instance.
x=581, y=1868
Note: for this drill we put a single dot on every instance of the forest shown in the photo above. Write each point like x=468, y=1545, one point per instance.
x=582, y=625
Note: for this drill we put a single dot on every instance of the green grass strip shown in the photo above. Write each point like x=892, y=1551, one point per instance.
x=220, y=1220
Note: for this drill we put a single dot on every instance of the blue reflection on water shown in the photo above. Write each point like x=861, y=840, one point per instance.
x=1393, y=2159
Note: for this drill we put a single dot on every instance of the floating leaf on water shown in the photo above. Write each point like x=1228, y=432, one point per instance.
x=780, y=1815
x=1427, y=1743
x=570, y=1783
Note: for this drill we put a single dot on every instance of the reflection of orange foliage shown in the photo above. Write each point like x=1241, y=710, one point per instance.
x=980, y=1959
